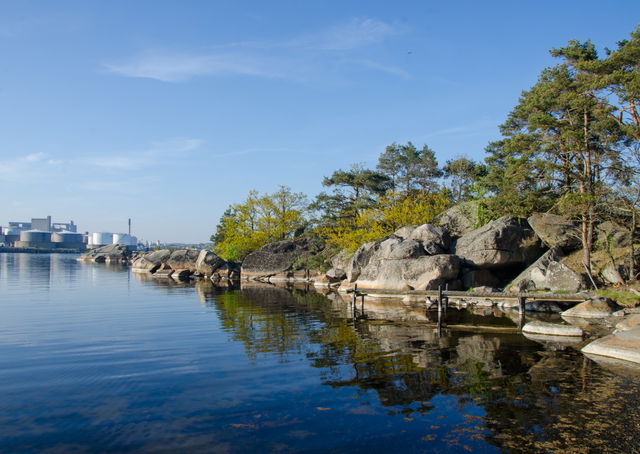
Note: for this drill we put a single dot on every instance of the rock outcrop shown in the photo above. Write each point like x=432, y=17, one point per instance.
x=614, y=235
x=150, y=262
x=182, y=264
x=208, y=263
x=505, y=242
x=548, y=273
x=459, y=219
x=111, y=253
x=555, y=231
x=422, y=273
x=183, y=259
x=275, y=261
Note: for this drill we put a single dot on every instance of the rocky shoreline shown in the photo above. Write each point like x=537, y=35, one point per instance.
x=510, y=254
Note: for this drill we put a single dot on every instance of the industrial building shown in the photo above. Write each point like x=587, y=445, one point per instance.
x=42, y=233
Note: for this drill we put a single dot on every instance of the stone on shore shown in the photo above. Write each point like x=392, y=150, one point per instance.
x=596, y=307
x=150, y=262
x=275, y=260
x=208, y=263
x=548, y=273
x=551, y=329
x=508, y=241
x=183, y=259
x=422, y=273
x=624, y=345
x=629, y=322
x=111, y=253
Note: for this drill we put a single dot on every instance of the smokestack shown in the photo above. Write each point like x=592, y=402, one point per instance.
x=129, y=226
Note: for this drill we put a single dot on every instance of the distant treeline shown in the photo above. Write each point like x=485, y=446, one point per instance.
x=571, y=146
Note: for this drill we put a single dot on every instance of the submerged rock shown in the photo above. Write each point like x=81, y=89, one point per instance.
x=551, y=329
x=596, y=307
x=624, y=345
x=629, y=322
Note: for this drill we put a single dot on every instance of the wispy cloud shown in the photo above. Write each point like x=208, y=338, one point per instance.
x=295, y=59
x=157, y=152
x=356, y=33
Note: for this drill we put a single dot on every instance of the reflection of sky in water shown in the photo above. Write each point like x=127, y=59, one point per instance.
x=94, y=359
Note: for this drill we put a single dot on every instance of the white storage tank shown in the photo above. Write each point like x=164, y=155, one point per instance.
x=101, y=238
x=124, y=239
x=66, y=237
x=35, y=236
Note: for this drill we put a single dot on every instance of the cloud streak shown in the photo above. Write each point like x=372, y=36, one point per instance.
x=297, y=59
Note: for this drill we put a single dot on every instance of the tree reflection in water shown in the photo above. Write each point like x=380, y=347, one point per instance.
x=535, y=398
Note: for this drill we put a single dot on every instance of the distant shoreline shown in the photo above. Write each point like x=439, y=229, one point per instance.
x=33, y=250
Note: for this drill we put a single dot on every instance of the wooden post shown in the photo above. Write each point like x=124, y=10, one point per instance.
x=362, y=303
x=521, y=305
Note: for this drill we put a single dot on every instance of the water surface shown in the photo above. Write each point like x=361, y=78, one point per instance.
x=96, y=359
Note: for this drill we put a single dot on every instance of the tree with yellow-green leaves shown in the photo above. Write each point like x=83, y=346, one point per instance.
x=258, y=220
x=392, y=211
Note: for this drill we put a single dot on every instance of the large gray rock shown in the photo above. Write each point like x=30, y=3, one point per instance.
x=507, y=241
x=341, y=259
x=459, y=219
x=404, y=232
x=275, y=258
x=365, y=253
x=208, y=263
x=624, y=345
x=612, y=273
x=551, y=329
x=555, y=231
x=434, y=240
x=596, y=307
x=183, y=259
x=111, y=253
x=150, y=262
x=614, y=235
x=422, y=273
x=547, y=273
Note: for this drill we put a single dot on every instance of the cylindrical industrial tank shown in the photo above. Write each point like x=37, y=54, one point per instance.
x=11, y=232
x=66, y=237
x=101, y=238
x=35, y=236
x=122, y=238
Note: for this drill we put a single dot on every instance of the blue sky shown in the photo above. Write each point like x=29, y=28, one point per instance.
x=169, y=111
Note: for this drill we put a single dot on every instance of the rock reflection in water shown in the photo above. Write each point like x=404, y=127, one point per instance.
x=530, y=395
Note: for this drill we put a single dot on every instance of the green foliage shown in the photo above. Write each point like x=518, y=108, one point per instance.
x=260, y=219
x=393, y=211
x=409, y=168
x=461, y=174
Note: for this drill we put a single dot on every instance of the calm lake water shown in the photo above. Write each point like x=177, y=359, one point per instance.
x=94, y=358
